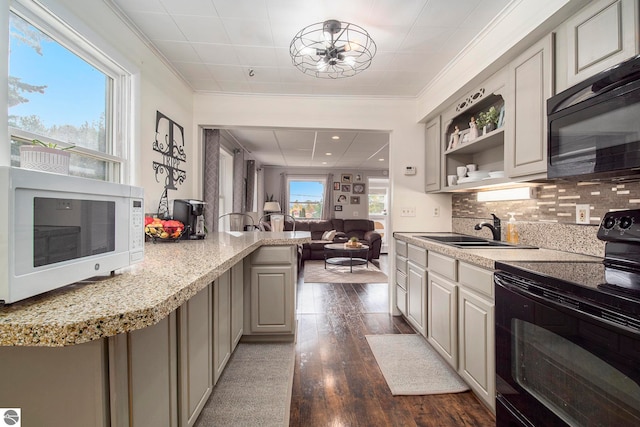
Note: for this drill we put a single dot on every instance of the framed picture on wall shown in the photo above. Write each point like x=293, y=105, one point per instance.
x=336, y=186
x=359, y=188
x=355, y=200
x=346, y=178
x=346, y=188
x=337, y=208
x=341, y=198
x=358, y=177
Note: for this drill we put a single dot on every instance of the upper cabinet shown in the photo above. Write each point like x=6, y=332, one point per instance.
x=530, y=85
x=432, y=155
x=599, y=36
x=466, y=141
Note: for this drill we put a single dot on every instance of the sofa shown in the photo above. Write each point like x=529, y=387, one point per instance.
x=363, y=229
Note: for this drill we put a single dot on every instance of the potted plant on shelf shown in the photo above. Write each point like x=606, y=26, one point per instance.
x=43, y=156
x=488, y=120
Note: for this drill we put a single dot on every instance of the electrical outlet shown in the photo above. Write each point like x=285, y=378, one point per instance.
x=355, y=213
x=582, y=214
x=436, y=211
x=408, y=211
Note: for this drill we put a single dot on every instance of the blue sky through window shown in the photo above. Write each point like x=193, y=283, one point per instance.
x=306, y=191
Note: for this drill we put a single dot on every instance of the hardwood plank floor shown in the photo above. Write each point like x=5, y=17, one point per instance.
x=337, y=381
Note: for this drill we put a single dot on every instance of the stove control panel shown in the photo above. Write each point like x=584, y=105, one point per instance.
x=620, y=226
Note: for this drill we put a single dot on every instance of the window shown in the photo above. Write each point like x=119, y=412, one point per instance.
x=306, y=197
x=64, y=91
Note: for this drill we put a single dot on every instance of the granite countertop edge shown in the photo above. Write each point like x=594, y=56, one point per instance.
x=487, y=258
x=136, y=297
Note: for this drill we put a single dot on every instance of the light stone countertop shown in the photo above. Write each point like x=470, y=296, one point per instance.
x=485, y=257
x=137, y=296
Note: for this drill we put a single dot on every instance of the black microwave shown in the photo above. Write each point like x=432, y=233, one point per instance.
x=594, y=126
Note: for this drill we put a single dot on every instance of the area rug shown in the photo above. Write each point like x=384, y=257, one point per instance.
x=412, y=367
x=254, y=389
x=314, y=272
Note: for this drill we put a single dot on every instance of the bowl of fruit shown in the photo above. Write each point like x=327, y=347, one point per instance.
x=160, y=230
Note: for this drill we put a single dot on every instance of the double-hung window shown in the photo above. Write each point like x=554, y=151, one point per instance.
x=64, y=91
x=306, y=197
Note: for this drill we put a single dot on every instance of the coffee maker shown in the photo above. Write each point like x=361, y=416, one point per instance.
x=191, y=213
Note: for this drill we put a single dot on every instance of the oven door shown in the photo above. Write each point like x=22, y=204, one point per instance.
x=557, y=365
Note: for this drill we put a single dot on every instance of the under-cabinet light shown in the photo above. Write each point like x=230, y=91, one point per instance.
x=520, y=193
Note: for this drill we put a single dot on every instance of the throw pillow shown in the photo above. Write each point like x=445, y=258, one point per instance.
x=329, y=235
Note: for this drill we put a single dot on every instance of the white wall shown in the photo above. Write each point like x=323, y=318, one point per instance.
x=155, y=88
x=406, y=139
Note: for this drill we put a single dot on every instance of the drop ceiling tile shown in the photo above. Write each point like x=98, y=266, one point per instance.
x=202, y=29
x=234, y=86
x=263, y=75
x=427, y=39
x=190, y=7
x=205, y=85
x=446, y=13
x=265, y=87
x=404, y=15
x=157, y=26
x=248, y=32
x=252, y=56
x=193, y=70
x=483, y=14
x=227, y=73
x=241, y=8
x=216, y=54
x=139, y=5
x=177, y=51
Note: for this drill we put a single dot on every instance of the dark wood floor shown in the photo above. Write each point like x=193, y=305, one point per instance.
x=337, y=381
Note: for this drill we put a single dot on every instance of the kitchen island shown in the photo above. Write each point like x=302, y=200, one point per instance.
x=145, y=346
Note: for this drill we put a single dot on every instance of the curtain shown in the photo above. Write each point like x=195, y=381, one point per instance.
x=211, y=190
x=250, y=186
x=238, y=180
x=327, y=203
x=284, y=196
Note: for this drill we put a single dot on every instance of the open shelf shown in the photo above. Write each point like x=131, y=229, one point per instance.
x=481, y=143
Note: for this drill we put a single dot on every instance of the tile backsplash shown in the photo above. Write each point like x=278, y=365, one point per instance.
x=554, y=202
x=549, y=220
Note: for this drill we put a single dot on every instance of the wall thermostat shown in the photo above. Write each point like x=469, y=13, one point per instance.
x=410, y=170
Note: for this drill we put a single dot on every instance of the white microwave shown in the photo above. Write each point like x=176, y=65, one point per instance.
x=56, y=230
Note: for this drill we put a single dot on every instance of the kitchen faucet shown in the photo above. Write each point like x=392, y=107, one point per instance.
x=495, y=228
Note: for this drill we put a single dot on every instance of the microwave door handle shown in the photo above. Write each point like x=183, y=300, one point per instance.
x=614, y=80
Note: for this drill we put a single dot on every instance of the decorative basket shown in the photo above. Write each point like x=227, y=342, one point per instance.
x=44, y=159
x=353, y=245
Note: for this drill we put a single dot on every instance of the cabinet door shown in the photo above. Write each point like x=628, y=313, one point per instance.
x=531, y=84
x=237, y=304
x=599, y=36
x=221, y=323
x=476, y=341
x=272, y=299
x=433, y=157
x=442, y=317
x=417, y=297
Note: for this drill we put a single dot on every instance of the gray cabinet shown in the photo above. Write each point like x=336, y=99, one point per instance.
x=401, y=276
x=417, y=288
x=442, y=317
x=600, y=35
x=237, y=304
x=432, y=155
x=221, y=323
x=270, y=306
x=477, y=344
x=195, y=355
x=530, y=85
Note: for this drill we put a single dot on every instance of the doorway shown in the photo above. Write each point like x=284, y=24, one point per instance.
x=378, y=195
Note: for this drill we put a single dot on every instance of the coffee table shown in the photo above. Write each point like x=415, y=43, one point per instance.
x=338, y=254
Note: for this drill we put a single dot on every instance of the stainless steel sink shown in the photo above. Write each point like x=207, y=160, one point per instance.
x=471, y=242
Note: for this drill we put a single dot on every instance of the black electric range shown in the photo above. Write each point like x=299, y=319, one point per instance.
x=568, y=335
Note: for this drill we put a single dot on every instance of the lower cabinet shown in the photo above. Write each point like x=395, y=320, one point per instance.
x=270, y=291
x=477, y=344
x=417, y=297
x=237, y=304
x=221, y=324
x=442, y=315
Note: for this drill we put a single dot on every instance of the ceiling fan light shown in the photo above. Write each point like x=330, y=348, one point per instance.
x=319, y=49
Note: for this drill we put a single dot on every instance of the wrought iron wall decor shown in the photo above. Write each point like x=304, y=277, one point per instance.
x=169, y=143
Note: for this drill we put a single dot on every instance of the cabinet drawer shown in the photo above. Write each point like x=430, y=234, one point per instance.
x=401, y=279
x=401, y=248
x=401, y=264
x=442, y=265
x=476, y=278
x=417, y=255
x=401, y=300
x=273, y=255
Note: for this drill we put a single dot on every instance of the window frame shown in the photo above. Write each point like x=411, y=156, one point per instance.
x=118, y=108
x=307, y=178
